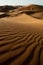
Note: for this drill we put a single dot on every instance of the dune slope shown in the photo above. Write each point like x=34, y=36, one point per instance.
x=21, y=40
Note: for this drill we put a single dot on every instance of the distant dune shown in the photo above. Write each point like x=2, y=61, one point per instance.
x=36, y=8
x=38, y=15
x=6, y=8
x=21, y=35
x=33, y=10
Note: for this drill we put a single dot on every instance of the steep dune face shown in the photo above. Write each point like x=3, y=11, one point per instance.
x=38, y=15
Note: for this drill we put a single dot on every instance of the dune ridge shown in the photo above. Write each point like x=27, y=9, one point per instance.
x=32, y=10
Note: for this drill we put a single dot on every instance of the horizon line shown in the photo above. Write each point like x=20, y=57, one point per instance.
x=20, y=5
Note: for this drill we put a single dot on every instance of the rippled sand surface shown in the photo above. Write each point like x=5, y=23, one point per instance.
x=21, y=43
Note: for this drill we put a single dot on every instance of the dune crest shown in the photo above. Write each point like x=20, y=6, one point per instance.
x=32, y=10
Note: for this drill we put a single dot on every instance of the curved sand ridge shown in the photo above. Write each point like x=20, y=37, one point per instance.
x=22, y=23
x=21, y=48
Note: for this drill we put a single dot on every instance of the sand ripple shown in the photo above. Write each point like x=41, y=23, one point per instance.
x=21, y=48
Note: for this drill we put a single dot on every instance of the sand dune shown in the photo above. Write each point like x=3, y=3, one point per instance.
x=21, y=39
x=23, y=23
x=38, y=15
x=7, y=8
x=32, y=10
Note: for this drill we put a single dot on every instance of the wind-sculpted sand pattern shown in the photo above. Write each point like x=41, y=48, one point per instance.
x=21, y=48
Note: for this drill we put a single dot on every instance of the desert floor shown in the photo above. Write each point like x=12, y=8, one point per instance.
x=21, y=40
